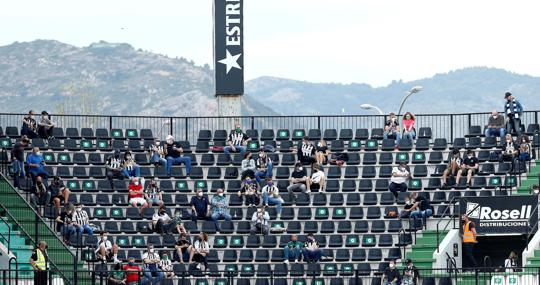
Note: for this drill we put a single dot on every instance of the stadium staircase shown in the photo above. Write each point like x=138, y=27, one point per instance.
x=531, y=178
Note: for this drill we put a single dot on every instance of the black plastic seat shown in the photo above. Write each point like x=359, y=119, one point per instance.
x=330, y=134
x=314, y=134
x=220, y=135
x=346, y=134
x=440, y=144
x=361, y=134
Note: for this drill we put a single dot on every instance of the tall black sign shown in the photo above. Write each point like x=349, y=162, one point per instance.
x=229, y=47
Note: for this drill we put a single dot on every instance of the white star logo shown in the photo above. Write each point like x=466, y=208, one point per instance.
x=231, y=61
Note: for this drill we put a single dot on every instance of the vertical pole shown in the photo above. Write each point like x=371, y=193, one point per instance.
x=451, y=128
x=110, y=124
x=171, y=126
x=186, y=126
x=252, y=122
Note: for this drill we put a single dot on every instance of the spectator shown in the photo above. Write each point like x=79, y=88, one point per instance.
x=469, y=240
x=29, y=126
x=132, y=272
x=293, y=249
x=469, y=166
x=182, y=248
x=45, y=126
x=59, y=193
x=136, y=195
x=200, y=207
x=159, y=219
x=513, y=111
x=131, y=168
x=318, y=179
x=495, y=125
x=398, y=181
x=237, y=141
x=391, y=274
x=105, y=249
x=152, y=194
x=248, y=166
x=410, y=274
x=312, y=251
x=166, y=265
x=17, y=158
x=524, y=153
x=322, y=152
x=114, y=167
x=511, y=262
x=264, y=166
x=299, y=180
x=270, y=196
x=220, y=208
x=306, y=152
x=173, y=154
x=509, y=149
x=454, y=164
x=36, y=165
x=65, y=224
x=409, y=131
x=151, y=262
x=81, y=222
x=199, y=251
x=41, y=195
x=116, y=276
x=391, y=129
x=421, y=208
x=259, y=222
x=158, y=154
x=406, y=213
x=249, y=190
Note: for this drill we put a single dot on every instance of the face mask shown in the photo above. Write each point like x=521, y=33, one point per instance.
x=151, y=250
x=391, y=265
x=178, y=214
x=238, y=130
x=38, y=153
x=104, y=238
x=136, y=183
x=79, y=209
x=128, y=156
x=269, y=184
x=131, y=263
x=495, y=117
x=220, y=194
x=199, y=194
x=248, y=182
x=32, y=116
x=165, y=257
x=408, y=202
x=300, y=168
x=157, y=143
x=170, y=142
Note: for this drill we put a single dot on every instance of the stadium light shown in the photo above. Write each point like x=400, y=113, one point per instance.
x=166, y=122
x=414, y=89
x=369, y=107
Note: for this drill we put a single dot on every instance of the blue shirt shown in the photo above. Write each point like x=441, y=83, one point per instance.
x=199, y=204
x=35, y=159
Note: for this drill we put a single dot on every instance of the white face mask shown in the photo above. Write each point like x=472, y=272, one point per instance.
x=220, y=194
x=104, y=238
x=408, y=202
x=136, y=183
x=79, y=209
x=151, y=250
x=495, y=116
x=170, y=141
x=38, y=153
x=157, y=143
x=199, y=194
x=391, y=265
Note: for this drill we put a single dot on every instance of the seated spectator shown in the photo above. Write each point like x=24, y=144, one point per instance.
x=312, y=251
x=513, y=111
x=40, y=194
x=293, y=250
x=105, y=249
x=200, y=207
x=220, y=208
x=81, y=222
x=248, y=166
x=264, y=166
x=166, y=265
x=398, y=181
x=270, y=196
x=318, y=179
x=322, y=152
x=421, y=208
x=249, y=191
x=152, y=194
x=117, y=276
x=130, y=167
x=410, y=274
x=158, y=154
x=391, y=275
x=36, y=165
x=299, y=180
x=45, y=126
x=509, y=149
x=114, y=167
x=159, y=219
x=409, y=131
x=173, y=155
x=495, y=125
x=469, y=166
x=406, y=213
x=391, y=129
x=136, y=195
x=59, y=193
x=65, y=224
x=17, y=160
x=306, y=152
x=454, y=164
x=237, y=141
x=182, y=248
x=132, y=272
x=198, y=252
x=259, y=222
x=151, y=262
x=29, y=126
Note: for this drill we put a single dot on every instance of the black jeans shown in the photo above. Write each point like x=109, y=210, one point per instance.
x=468, y=257
x=40, y=277
x=395, y=188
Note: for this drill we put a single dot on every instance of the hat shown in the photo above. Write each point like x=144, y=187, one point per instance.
x=169, y=137
x=408, y=260
x=507, y=94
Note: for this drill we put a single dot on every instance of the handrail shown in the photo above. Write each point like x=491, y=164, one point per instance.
x=451, y=204
x=16, y=268
x=487, y=260
x=535, y=226
x=8, y=240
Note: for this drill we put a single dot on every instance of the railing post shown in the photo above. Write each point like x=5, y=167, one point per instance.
x=451, y=128
x=356, y=281
x=271, y=277
x=171, y=126
x=110, y=124
x=319, y=122
x=476, y=280
x=252, y=122
x=186, y=127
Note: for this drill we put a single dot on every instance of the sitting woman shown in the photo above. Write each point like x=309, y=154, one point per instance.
x=509, y=149
x=409, y=131
x=248, y=166
x=249, y=191
x=198, y=252
x=525, y=149
x=322, y=152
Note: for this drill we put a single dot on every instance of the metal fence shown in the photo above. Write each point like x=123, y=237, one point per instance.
x=447, y=126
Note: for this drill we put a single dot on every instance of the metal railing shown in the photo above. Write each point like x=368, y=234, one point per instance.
x=440, y=231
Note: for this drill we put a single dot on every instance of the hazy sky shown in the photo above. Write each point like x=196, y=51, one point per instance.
x=345, y=41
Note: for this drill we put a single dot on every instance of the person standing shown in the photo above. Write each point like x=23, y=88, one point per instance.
x=469, y=240
x=513, y=111
x=511, y=262
x=17, y=160
x=38, y=261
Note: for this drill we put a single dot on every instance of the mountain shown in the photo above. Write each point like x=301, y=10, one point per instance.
x=106, y=78
x=475, y=89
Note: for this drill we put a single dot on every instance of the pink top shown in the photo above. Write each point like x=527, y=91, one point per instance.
x=408, y=125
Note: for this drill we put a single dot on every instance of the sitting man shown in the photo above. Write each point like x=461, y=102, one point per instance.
x=173, y=155
x=293, y=250
x=318, y=179
x=406, y=213
x=421, y=208
x=398, y=181
x=45, y=126
x=306, y=152
x=249, y=191
x=163, y=224
x=312, y=251
x=132, y=272
x=182, y=248
x=105, y=250
x=59, y=193
x=454, y=164
x=270, y=196
x=36, y=165
x=259, y=222
x=152, y=194
x=81, y=222
x=199, y=251
x=158, y=154
x=264, y=166
x=136, y=195
x=469, y=166
x=220, y=208
x=237, y=141
x=41, y=195
x=130, y=167
x=200, y=207
x=496, y=125
x=29, y=126
x=391, y=128
x=114, y=167
x=299, y=180
x=151, y=262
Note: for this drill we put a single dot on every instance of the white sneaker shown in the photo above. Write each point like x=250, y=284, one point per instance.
x=116, y=260
x=198, y=266
x=286, y=261
x=296, y=261
x=308, y=191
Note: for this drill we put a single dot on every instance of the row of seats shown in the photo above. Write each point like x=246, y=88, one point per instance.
x=87, y=133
